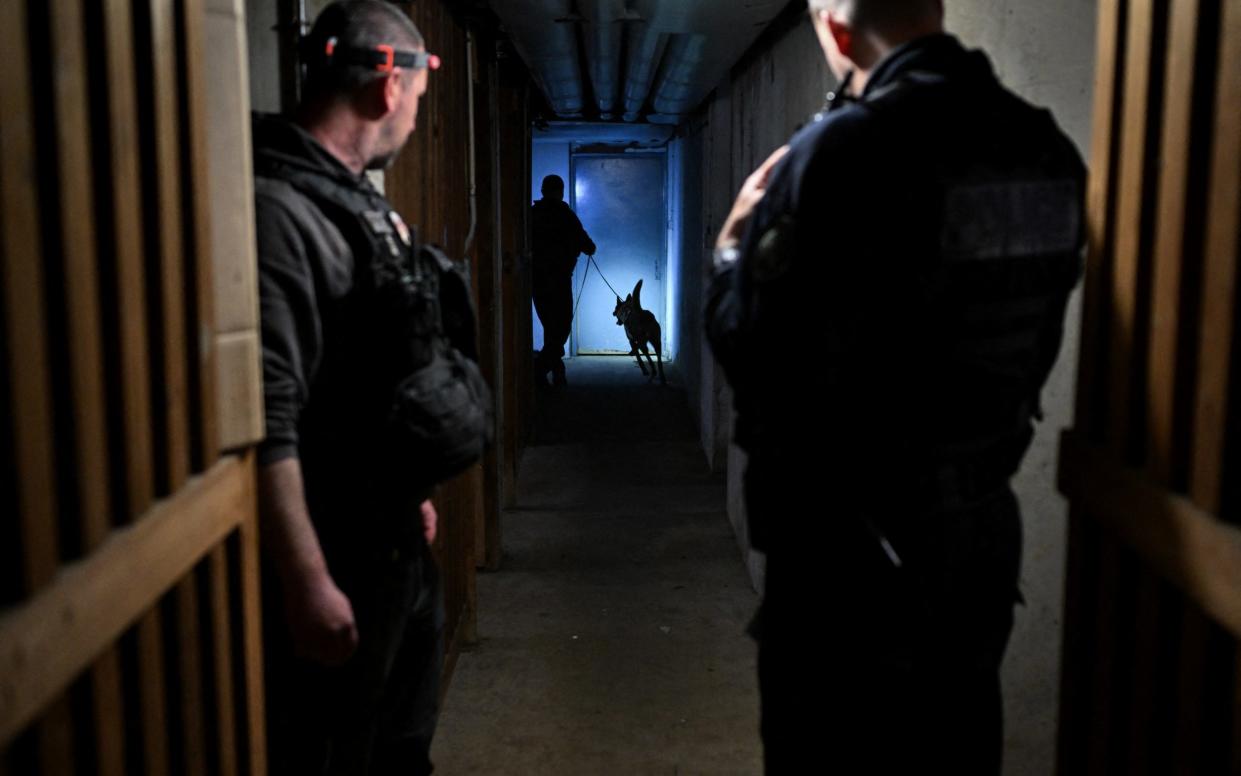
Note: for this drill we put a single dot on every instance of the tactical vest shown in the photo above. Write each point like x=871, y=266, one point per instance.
x=1010, y=244
x=413, y=334
x=986, y=293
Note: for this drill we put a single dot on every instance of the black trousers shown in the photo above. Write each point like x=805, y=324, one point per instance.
x=376, y=714
x=865, y=667
x=553, y=302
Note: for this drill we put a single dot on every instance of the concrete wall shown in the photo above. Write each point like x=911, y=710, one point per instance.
x=685, y=157
x=264, y=48
x=1045, y=52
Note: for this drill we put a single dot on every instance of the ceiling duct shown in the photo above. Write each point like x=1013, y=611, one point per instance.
x=676, y=51
x=601, y=35
x=548, y=47
x=712, y=41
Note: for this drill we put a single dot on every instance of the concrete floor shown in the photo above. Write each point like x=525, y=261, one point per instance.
x=612, y=641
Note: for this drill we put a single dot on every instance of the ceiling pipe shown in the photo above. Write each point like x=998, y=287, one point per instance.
x=677, y=88
x=601, y=35
x=675, y=51
x=548, y=47
x=646, y=48
x=708, y=45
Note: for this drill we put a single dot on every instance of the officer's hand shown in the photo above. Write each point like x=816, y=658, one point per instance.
x=321, y=620
x=430, y=521
x=752, y=193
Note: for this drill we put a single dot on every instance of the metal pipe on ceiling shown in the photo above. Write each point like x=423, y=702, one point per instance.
x=675, y=50
x=601, y=36
x=545, y=36
x=677, y=88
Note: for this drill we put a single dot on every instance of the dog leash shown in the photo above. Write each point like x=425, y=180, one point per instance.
x=590, y=261
x=605, y=280
x=585, y=276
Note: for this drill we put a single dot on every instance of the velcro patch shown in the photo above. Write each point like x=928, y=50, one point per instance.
x=377, y=220
x=1011, y=220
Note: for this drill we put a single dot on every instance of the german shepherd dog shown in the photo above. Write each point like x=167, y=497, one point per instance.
x=641, y=328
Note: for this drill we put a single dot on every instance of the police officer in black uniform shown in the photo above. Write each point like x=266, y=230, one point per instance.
x=908, y=258
x=353, y=604
x=558, y=239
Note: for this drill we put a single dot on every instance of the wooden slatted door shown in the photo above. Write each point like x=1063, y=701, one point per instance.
x=129, y=621
x=1151, y=681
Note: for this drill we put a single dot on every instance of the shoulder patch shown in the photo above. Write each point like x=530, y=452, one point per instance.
x=774, y=252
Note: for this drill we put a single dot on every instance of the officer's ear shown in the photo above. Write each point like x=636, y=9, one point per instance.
x=841, y=32
x=393, y=89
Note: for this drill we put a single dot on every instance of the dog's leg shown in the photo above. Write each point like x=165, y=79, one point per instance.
x=647, y=352
x=659, y=354
x=633, y=344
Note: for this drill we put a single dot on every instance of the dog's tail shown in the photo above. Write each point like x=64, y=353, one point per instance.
x=637, y=295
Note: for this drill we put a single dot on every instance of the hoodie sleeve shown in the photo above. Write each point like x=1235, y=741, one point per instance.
x=291, y=333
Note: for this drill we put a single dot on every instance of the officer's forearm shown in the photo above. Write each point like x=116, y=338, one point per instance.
x=288, y=534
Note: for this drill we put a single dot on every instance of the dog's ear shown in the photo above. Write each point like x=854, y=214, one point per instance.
x=618, y=299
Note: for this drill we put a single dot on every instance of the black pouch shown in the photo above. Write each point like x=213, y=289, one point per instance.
x=441, y=419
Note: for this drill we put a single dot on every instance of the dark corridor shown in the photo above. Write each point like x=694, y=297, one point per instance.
x=612, y=642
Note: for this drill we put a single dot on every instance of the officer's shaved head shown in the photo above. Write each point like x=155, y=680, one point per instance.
x=362, y=24
x=880, y=14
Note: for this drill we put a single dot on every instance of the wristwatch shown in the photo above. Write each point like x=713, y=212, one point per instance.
x=726, y=256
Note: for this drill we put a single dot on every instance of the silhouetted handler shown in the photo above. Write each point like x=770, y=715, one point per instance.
x=558, y=240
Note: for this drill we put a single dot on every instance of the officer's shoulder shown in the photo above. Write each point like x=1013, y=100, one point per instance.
x=839, y=131
x=283, y=213
x=278, y=194
x=277, y=199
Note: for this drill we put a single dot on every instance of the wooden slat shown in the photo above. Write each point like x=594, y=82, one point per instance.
x=107, y=714
x=56, y=738
x=85, y=344
x=1122, y=338
x=1187, y=732
x=1185, y=543
x=1220, y=290
x=126, y=206
x=494, y=537
x=81, y=275
x=172, y=283
x=239, y=387
x=152, y=693
x=95, y=600
x=1145, y=644
x=21, y=256
x=190, y=670
x=222, y=651
x=1102, y=670
x=1220, y=272
x=1169, y=253
x=252, y=624
x=1131, y=189
x=130, y=305
x=197, y=120
x=28, y=368
x=1166, y=323
x=229, y=152
x=172, y=326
